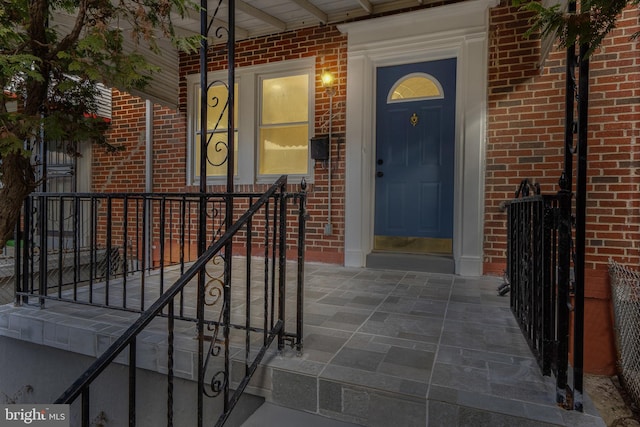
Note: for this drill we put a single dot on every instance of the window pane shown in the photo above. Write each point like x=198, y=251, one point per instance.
x=216, y=102
x=285, y=100
x=416, y=87
x=217, y=114
x=284, y=150
x=217, y=155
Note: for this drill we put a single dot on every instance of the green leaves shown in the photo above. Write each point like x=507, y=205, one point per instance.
x=53, y=71
x=19, y=66
x=189, y=44
x=589, y=26
x=52, y=55
x=9, y=141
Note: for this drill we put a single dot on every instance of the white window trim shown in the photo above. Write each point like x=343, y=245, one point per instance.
x=248, y=80
x=268, y=178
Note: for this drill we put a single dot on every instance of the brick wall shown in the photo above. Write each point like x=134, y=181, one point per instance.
x=613, y=218
x=525, y=114
x=525, y=140
x=524, y=137
x=124, y=170
x=526, y=128
x=525, y=133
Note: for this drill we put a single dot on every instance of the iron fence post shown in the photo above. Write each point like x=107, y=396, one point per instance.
x=109, y=217
x=302, y=220
x=581, y=222
x=564, y=277
x=85, y=405
x=549, y=281
x=42, y=219
x=570, y=93
x=226, y=306
x=132, y=382
x=282, y=262
x=20, y=240
x=204, y=47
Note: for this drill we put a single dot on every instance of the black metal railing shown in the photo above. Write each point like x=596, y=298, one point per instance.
x=539, y=256
x=239, y=314
x=73, y=241
x=101, y=249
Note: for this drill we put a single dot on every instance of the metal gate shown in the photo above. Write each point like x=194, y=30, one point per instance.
x=542, y=285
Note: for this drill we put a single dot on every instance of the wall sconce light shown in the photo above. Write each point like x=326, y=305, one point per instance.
x=327, y=81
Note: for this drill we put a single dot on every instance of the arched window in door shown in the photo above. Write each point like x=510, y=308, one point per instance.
x=415, y=87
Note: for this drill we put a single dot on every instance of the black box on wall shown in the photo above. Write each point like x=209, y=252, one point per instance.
x=320, y=147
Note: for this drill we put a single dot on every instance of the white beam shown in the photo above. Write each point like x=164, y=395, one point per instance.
x=366, y=5
x=313, y=10
x=257, y=13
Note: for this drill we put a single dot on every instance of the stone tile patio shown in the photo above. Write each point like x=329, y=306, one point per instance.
x=381, y=348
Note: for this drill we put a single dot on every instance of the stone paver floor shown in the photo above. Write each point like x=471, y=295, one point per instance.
x=379, y=346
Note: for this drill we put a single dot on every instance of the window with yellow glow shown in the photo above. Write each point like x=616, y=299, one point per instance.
x=283, y=144
x=417, y=86
x=217, y=124
x=274, y=112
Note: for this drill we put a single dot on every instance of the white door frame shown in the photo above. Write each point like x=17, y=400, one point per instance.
x=457, y=31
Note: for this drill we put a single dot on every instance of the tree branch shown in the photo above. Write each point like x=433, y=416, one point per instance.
x=73, y=36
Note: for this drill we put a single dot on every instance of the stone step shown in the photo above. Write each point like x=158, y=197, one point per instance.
x=411, y=262
x=270, y=415
x=295, y=391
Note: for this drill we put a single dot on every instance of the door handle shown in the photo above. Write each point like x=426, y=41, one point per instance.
x=380, y=161
x=379, y=174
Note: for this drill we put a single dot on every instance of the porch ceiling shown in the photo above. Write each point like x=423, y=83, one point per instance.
x=262, y=17
x=253, y=18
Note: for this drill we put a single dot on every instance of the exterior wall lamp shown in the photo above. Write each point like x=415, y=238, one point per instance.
x=328, y=81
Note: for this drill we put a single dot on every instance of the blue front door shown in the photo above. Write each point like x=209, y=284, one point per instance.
x=415, y=146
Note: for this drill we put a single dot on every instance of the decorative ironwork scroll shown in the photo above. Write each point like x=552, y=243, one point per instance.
x=213, y=294
x=219, y=146
x=219, y=380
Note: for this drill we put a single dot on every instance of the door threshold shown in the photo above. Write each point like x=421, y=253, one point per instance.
x=429, y=263
x=412, y=245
